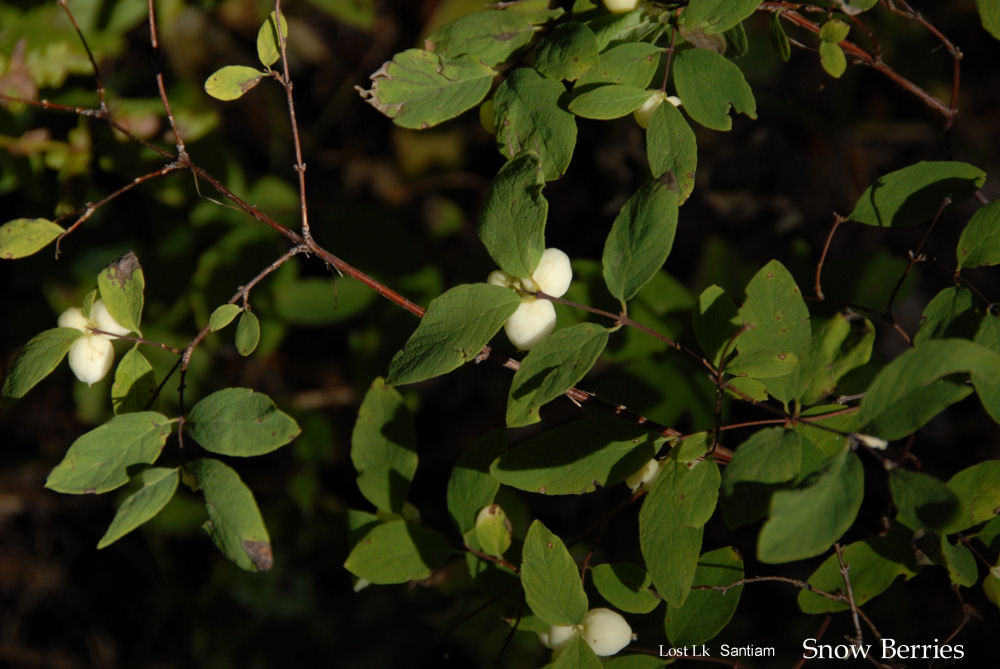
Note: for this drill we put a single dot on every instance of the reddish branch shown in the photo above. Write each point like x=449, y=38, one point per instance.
x=790, y=12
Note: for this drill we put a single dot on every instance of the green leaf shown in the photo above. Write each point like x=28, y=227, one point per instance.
x=471, y=486
x=158, y=487
x=716, y=16
x=671, y=148
x=634, y=26
x=239, y=421
x=396, y=552
x=529, y=118
x=737, y=44
x=455, y=328
x=839, y=345
x=234, y=522
x=991, y=582
x=978, y=488
x=960, y=562
x=671, y=523
x=247, y=333
x=551, y=368
x=709, y=84
x=567, y=52
x=910, y=383
x=979, y=243
x=223, y=316
x=625, y=586
x=874, y=565
x=232, y=82
x=706, y=612
x=805, y=522
x=359, y=14
x=775, y=314
x=419, y=89
x=25, y=236
x=551, y=579
x=923, y=501
x=514, y=213
x=37, y=359
x=576, y=458
x=268, y=42
x=763, y=364
x=950, y=313
x=630, y=64
x=987, y=386
x=384, y=447
x=914, y=194
x=490, y=36
x=832, y=58
x=715, y=321
x=97, y=461
x=640, y=239
x=536, y=11
x=577, y=654
x=607, y=101
x=834, y=31
x=768, y=457
x=121, y=285
x=134, y=385
x=989, y=15
x=779, y=39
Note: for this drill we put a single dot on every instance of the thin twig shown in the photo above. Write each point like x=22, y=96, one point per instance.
x=837, y=220
x=915, y=257
x=844, y=572
x=154, y=41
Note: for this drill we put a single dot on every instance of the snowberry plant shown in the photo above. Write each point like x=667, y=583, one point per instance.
x=832, y=424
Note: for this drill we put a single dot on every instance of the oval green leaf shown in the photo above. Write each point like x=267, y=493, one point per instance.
x=232, y=81
x=25, y=236
x=567, y=52
x=640, y=239
x=384, y=447
x=238, y=421
x=158, y=487
x=625, y=586
x=223, y=316
x=551, y=579
x=247, y=333
x=805, y=522
x=419, y=89
x=97, y=461
x=671, y=148
x=491, y=36
x=709, y=84
x=576, y=458
x=551, y=368
x=608, y=101
x=454, y=330
x=706, y=611
x=121, y=285
x=979, y=243
x=514, y=215
x=234, y=521
x=37, y=359
x=268, y=42
x=397, y=552
x=913, y=194
x=134, y=385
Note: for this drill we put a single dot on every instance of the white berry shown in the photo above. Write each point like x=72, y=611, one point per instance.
x=103, y=319
x=500, y=278
x=553, y=273
x=620, y=6
x=606, y=631
x=644, y=114
x=645, y=477
x=531, y=323
x=558, y=636
x=73, y=318
x=90, y=358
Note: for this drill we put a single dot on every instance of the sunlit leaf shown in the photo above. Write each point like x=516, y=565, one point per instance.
x=25, y=236
x=158, y=487
x=239, y=421
x=913, y=194
x=551, y=579
x=384, y=447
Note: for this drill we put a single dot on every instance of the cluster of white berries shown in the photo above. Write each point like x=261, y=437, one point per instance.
x=535, y=318
x=604, y=630
x=91, y=356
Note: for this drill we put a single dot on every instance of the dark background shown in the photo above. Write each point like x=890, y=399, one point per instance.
x=403, y=206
